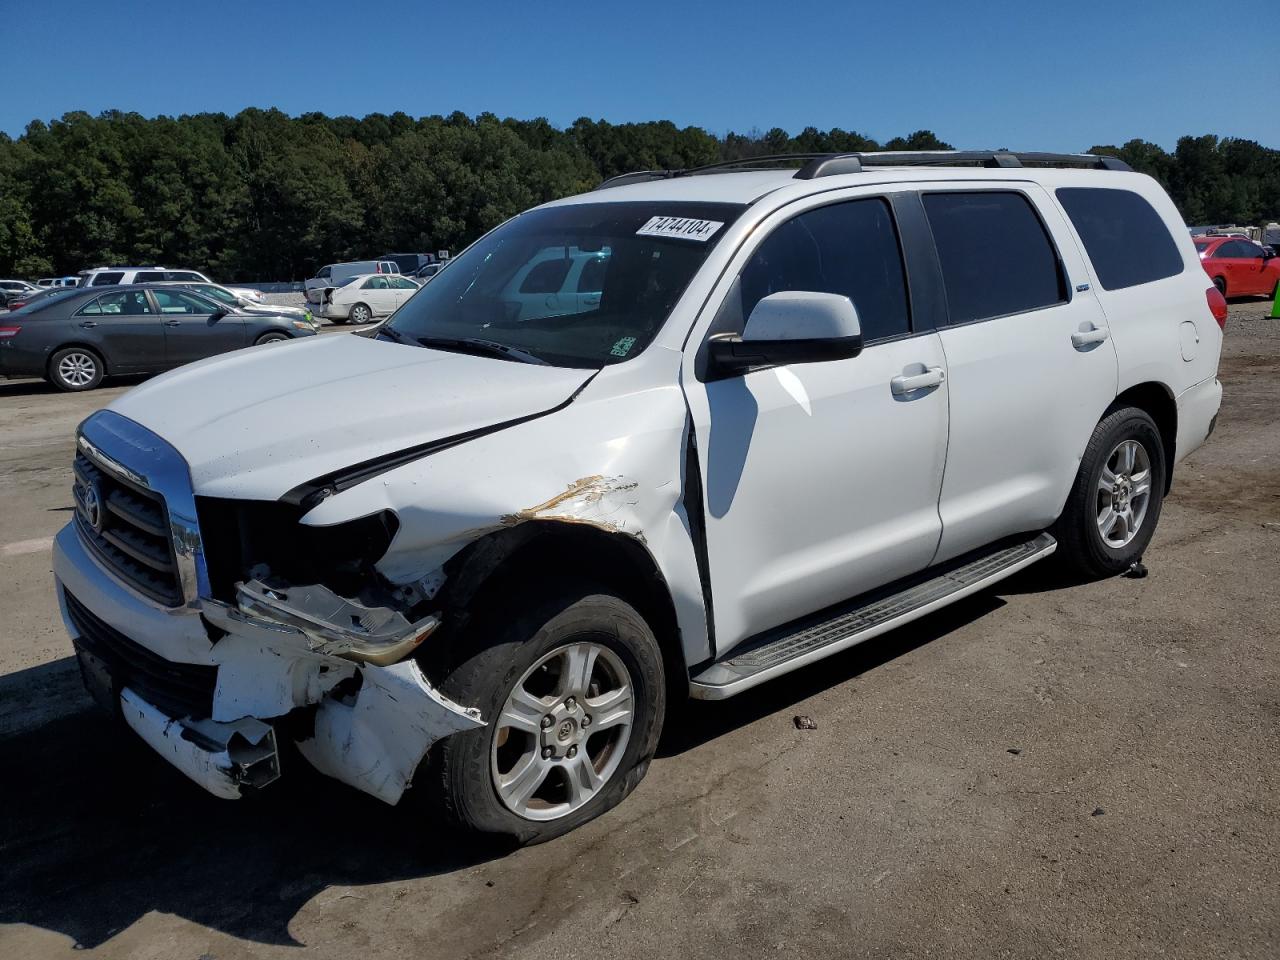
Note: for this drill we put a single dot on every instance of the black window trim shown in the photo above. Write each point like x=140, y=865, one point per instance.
x=886, y=198
x=1064, y=278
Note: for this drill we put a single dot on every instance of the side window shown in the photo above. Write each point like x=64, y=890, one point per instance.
x=547, y=276
x=847, y=248
x=323, y=274
x=1125, y=238
x=174, y=301
x=375, y=283
x=91, y=309
x=591, y=279
x=1252, y=250
x=1228, y=251
x=106, y=279
x=124, y=302
x=996, y=257
x=149, y=276
x=183, y=276
x=403, y=283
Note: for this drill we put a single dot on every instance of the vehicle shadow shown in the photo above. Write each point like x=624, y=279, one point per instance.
x=704, y=721
x=40, y=388
x=96, y=831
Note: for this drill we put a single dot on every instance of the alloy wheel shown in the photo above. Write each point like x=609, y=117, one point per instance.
x=77, y=369
x=1124, y=493
x=563, y=731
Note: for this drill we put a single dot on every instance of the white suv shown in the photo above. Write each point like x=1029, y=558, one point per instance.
x=804, y=408
x=105, y=276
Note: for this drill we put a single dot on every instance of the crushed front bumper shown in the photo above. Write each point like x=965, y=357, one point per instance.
x=207, y=689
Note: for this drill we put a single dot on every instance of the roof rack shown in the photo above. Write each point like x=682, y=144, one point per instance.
x=833, y=164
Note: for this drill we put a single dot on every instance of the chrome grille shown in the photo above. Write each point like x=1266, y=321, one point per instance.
x=127, y=527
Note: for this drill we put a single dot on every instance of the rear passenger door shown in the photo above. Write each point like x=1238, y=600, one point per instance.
x=1030, y=363
x=125, y=328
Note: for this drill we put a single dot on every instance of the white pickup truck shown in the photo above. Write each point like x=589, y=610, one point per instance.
x=798, y=409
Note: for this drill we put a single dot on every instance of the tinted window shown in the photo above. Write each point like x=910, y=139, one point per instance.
x=183, y=275
x=123, y=303
x=1228, y=250
x=149, y=276
x=1124, y=236
x=175, y=301
x=402, y=283
x=846, y=248
x=375, y=283
x=547, y=276
x=323, y=274
x=104, y=279
x=995, y=255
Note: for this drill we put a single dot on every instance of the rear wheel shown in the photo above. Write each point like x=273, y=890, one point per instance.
x=274, y=337
x=360, y=313
x=1115, y=502
x=1221, y=284
x=75, y=368
x=573, y=693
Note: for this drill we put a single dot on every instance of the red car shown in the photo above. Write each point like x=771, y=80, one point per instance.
x=1238, y=266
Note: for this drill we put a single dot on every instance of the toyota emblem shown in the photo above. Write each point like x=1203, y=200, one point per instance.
x=91, y=506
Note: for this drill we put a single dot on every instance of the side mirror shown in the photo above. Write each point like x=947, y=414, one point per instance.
x=218, y=314
x=795, y=326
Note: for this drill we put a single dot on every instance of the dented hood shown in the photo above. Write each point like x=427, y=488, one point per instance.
x=256, y=423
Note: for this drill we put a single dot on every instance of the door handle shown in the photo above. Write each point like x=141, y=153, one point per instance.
x=89, y=324
x=1087, y=338
x=931, y=377
x=591, y=301
x=173, y=323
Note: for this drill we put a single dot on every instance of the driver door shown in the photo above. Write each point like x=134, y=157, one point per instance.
x=821, y=480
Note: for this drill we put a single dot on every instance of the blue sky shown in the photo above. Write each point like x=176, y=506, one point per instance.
x=1031, y=74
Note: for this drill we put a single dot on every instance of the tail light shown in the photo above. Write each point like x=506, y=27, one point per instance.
x=8, y=333
x=1217, y=306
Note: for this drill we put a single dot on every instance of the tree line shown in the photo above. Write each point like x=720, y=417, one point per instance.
x=265, y=196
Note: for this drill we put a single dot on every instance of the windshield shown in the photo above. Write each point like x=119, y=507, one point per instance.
x=582, y=285
x=217, y=293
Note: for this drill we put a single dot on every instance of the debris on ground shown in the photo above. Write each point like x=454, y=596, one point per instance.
x=1014, y=750
x=1097, y=812
x=805, y=723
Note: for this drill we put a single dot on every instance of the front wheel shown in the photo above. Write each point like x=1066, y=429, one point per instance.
x=1115, y=502
x=275, y=337
x=573, y=694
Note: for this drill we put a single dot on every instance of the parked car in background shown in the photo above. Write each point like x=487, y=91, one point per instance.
x=58, y=282
x=109, y=276
x=409, y=262
x=228, y=297
x=565, y=280
x=74, y=340
x=334, y=274
x=362, y=298
x=429, y=270
x=1239, y=267
x=45, y=293
x=18, y=287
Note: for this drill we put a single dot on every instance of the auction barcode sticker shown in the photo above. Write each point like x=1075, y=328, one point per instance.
x=682, y=228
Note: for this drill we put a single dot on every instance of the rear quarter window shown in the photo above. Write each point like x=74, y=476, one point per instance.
x=1125, y=238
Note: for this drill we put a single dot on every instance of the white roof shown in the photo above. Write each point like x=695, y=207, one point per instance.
x=747, y=186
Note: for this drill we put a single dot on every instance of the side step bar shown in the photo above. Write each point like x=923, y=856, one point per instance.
x=787, y=648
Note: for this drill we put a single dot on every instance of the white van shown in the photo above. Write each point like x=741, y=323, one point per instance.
x=334, y=274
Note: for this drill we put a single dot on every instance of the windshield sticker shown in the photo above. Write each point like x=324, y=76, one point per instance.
x=680, y=228
x=622, y=347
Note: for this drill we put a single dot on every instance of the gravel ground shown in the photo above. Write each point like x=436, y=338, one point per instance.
x=1045, y=768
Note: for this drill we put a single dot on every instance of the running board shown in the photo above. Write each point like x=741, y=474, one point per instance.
x=787, y=648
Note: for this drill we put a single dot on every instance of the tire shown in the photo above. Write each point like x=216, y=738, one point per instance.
x=360, y=313
x=273, y=337
x=1221, y=284
x=1082, y=545
x=75, y=369
x=531, y=649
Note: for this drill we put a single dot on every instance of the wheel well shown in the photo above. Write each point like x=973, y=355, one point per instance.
x=106, y=367
x=273, y=333
x=502, y=563
x=1158, y=402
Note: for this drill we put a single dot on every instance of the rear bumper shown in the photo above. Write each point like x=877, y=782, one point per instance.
x=1197, y=415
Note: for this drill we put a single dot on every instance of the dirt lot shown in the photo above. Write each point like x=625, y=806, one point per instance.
x=1045, y=769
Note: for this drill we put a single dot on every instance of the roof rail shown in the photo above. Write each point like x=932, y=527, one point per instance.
x=833, y=164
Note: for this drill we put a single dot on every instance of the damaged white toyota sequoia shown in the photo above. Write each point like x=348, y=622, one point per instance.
x=674, y=437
